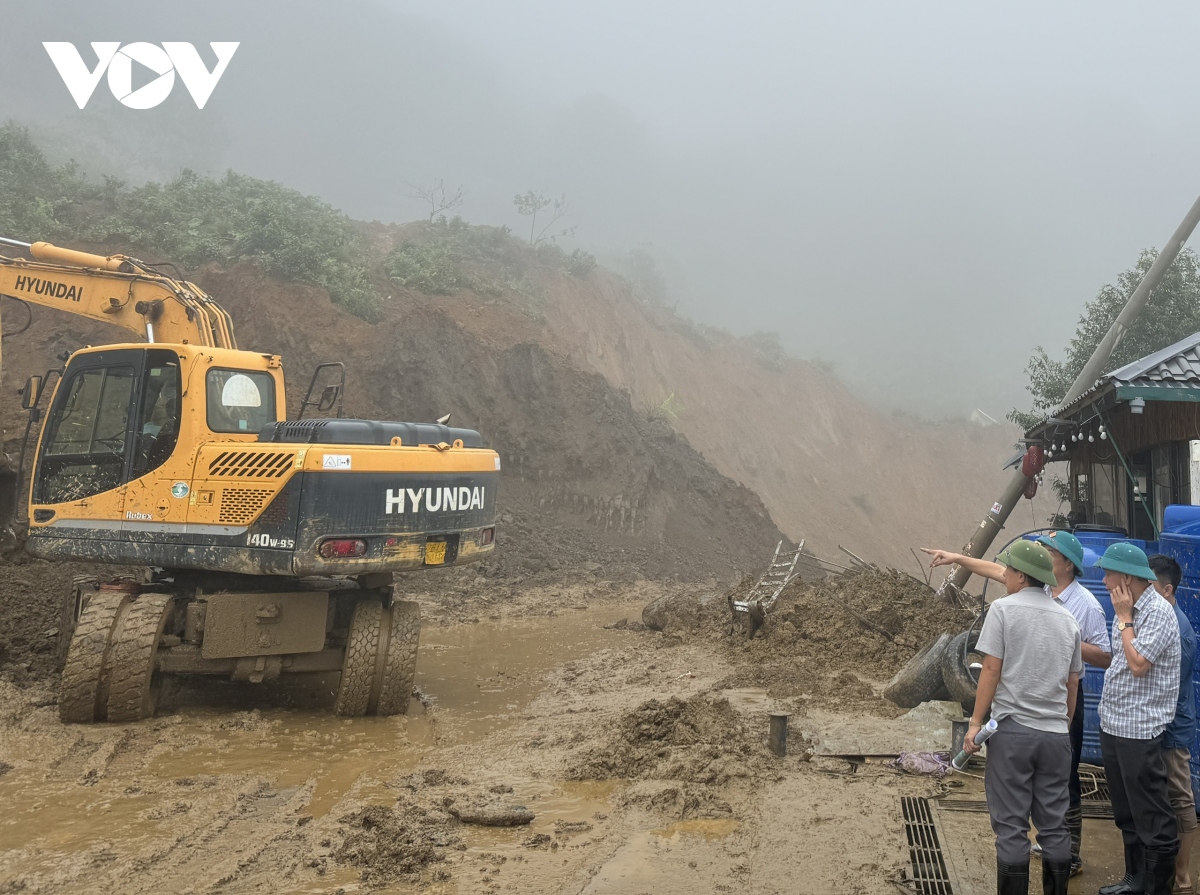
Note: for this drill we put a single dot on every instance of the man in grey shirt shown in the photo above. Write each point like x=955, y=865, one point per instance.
x=1030, y=679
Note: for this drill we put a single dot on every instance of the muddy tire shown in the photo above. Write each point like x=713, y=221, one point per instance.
x=395, y=685
x=921, y=679
x=131, y=678
x=83, y=588
x=362, y=658
x=79, y=699
x=955, y=673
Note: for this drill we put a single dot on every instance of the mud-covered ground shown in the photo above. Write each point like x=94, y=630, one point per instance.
x=617, y=759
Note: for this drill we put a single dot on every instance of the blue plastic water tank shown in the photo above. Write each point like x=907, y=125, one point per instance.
x=1182, y=519
x=1093, y=683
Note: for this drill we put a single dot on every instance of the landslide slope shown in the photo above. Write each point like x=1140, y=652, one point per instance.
x=829, y=467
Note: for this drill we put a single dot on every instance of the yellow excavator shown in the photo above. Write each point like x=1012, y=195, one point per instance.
x=269, y=543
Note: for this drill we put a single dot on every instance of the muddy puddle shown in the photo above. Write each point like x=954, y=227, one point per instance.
x=125, y=789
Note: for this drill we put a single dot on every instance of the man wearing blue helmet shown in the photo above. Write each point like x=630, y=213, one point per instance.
x=1069, y=559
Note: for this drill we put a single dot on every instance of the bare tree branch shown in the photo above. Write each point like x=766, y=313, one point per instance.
x=439, y=199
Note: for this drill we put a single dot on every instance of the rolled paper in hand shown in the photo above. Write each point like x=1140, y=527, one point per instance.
x=960, y=760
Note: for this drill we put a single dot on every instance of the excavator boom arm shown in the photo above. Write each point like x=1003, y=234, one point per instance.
x=118, y=290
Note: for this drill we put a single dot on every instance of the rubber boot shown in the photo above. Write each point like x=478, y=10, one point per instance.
x=1012, y=879
x=1160, y=872
x=1075, y=828
x=1055, y=875
x=1134, y=881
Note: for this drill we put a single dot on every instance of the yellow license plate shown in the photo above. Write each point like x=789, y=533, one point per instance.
x=435, y=553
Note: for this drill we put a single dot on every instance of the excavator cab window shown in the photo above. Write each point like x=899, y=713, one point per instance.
x=240, y=400
x=84, y=448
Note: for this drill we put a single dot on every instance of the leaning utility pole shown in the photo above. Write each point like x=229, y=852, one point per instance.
x=1092, y=370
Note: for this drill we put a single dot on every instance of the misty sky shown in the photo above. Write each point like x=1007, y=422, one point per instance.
x=919, y=193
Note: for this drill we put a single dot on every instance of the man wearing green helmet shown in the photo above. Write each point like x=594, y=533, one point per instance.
x=1069, y=558
x=1031, y=668
x=1141, y=689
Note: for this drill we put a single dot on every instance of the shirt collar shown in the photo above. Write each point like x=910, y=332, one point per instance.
x=1061, y=598
x=1137, y=604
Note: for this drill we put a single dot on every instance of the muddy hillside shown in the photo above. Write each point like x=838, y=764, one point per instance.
x=589, y=483
x=829, y=467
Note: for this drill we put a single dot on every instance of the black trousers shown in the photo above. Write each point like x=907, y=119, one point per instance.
x=1073, y=787
x=1137, y=786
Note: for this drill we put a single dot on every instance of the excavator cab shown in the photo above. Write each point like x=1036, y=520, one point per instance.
x=115, y=417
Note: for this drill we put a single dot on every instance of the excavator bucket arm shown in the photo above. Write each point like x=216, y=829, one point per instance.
x=116, y=289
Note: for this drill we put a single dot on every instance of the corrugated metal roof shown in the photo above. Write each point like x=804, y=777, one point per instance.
x=1176, y=366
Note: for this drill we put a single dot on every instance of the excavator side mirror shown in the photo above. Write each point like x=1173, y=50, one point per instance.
x=31, y=393
x=329, y=397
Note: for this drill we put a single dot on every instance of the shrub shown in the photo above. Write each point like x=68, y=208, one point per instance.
x=190, y=220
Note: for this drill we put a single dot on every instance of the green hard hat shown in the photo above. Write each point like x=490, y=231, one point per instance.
x=1068, y=545
x=1030, y=558
x=1123, y=557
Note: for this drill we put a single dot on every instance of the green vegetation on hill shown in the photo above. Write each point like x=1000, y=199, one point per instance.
x=190, y=221
x=451, y=254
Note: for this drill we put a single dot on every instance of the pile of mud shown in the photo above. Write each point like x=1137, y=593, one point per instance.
x=32, y=595
x=700, y=740
x=836, y=642
x=395, y=844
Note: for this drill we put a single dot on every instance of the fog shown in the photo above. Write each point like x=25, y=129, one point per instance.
x=917, y=193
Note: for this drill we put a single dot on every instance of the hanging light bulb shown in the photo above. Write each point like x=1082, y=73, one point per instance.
x=1073, y=438
x=1103, y=435
x=1091, y=438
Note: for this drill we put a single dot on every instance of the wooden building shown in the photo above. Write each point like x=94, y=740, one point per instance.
x=1132, y=442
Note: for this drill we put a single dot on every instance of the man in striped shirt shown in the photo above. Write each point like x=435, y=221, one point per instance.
x=1141, y=689
x=1068, y=556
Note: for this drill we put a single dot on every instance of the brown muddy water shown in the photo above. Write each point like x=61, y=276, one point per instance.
x=120, y=790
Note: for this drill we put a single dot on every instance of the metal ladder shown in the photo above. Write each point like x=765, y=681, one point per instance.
x=752, y=611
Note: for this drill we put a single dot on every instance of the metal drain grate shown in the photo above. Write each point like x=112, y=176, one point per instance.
x=929, y=874
x=1094, y=786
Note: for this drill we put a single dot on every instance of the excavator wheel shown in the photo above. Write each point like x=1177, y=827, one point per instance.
x=79, y=699
x=400, y=669
x=381, y=659
x=362, y=657
x=131, y=678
